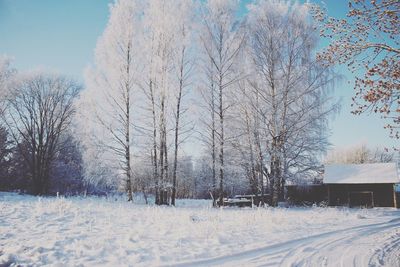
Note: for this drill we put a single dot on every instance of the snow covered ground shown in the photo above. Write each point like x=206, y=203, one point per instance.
x=105, y=232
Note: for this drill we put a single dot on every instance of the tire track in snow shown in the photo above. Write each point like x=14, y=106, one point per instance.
x=365, y=245
x=389, y=254
x=354, y=247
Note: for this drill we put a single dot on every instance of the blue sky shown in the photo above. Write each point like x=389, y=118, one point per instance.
x=61, y=35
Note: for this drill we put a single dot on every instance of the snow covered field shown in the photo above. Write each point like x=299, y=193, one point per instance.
x=105, y=232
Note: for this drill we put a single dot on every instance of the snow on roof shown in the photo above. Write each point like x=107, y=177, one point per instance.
x=376, y=173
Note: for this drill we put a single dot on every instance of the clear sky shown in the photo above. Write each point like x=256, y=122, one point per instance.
x=61, y=35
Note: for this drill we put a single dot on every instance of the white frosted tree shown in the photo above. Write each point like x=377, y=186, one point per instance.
x=221, y=40
x=158, y=43
x=359, y=154
x=6, y=73
x=289, y=89
x=184, y=62
x=248, y=144
x=106, y=102
x=168, y=63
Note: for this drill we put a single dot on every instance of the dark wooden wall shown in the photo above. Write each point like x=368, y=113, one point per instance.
x=343, y=194
x=306, y=194
x=398, y=199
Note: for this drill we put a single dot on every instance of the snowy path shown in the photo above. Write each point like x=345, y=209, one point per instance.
x=367, y=245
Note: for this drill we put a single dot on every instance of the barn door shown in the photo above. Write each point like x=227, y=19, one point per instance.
x=361, y=199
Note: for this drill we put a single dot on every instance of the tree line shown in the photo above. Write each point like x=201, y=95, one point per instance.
x=166, y=77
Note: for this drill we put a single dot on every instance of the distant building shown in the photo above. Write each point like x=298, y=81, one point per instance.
x=356, y=185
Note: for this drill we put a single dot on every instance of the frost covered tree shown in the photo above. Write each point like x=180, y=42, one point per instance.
x=359, y=154
x=207, y=91
x=6, y=76
x=6, y=73
x=183, y=67
x=110, y=89
x=159, y=55
x=248, y=144
x=5, y=158
x=288, y=88
x=38, y=111
x=167, y=33
x=186, y=180
x=221, y=40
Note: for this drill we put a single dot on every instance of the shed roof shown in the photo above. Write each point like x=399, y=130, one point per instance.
x=375, y=173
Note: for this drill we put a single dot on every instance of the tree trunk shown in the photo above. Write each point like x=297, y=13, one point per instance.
x=214, y=182
x=166, y=167
x=252, y=176
x=178, y=105
x=221, y=143
x=154, y=153
x=261, y=168
x=161, y=185
x=127, y=126
x=163, y=152
x=275, y=172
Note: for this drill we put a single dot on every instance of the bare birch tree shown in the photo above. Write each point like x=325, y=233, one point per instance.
x=184, y=67
x=291, y=86
x=111, y=85
x=221, y=41
x=166, y=32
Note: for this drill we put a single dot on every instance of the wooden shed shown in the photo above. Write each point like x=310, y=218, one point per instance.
x=362, y=185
